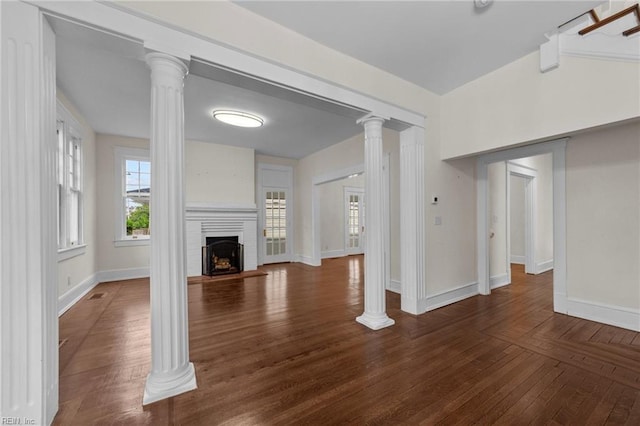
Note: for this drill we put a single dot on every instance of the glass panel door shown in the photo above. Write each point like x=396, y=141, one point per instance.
x=354, y=221
x=276, y=247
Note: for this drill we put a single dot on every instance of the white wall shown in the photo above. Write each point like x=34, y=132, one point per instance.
x=111, y=258
x=219, y=173
x=338, y=157
x=231, y=181
x=332, y=214
x=517, y=104
x=73, y=272
x=450, y=247
x=603, y=217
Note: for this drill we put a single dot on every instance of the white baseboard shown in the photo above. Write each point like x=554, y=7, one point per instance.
x=499, y=281
x=395, y=286
x=332, y=253
x=67, y=300
x=517, y=259
x=603, y=313
x=544, y=266
x=307, y=260
x=449, y=296
x=122, y=274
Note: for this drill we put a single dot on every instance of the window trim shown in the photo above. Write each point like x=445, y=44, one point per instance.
x=121, y=154
x=70, y=129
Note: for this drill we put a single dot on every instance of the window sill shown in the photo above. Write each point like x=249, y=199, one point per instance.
x=70, y=252
x=132, y=242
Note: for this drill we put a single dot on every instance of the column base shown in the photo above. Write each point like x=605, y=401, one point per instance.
x=375, y=321
x=162, y=387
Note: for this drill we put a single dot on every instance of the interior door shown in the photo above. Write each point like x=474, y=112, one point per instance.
x=354, y=221
x=276, y=246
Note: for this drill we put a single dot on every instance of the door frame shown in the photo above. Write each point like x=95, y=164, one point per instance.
x=558, y=150
x=530, y=216
x=347, y=192
x=261, y=186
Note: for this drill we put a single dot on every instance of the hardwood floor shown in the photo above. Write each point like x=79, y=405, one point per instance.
x=285, y=349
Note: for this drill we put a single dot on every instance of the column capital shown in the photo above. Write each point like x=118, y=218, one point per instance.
x=164, y=64
x=371, y=118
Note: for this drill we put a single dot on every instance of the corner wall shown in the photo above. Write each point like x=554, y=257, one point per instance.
x=78, y=273
x=518, y=104
x=603, y=219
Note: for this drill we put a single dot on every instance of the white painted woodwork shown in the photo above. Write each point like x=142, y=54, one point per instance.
x=374, y=316
x=274, y=177
x=530, y=209
x=28, y=240
x=550, y=53
x=211, y=220
x=557, y=148
x=171, y=372
x=412, y=220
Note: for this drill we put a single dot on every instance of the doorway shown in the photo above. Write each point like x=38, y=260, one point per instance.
x=275, y=213
x=485, y=219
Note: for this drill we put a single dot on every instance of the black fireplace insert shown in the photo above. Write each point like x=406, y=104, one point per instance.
x=222, y=255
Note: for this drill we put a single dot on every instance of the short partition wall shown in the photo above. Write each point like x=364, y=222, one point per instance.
x=208, y=220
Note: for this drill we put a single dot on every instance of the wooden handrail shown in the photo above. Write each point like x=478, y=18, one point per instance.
x=602, y=22
x=630, y=31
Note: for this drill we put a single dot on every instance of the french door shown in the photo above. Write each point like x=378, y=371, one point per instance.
x=354, y=221
x=275, y=235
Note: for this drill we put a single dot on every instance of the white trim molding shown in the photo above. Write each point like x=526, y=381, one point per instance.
x=545, y=266
x=122, y=274
x=607, y=314
x=500, y=281
x=308, y=260
x=395, y=286
x=558, y=150
x=448, y=297
x=73, y=296
x=517, y=259
x=328, y=254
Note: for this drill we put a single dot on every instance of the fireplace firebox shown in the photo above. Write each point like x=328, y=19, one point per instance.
x=222, y=255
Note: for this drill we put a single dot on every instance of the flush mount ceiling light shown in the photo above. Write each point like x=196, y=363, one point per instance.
x=482, y=3
x=238, y=118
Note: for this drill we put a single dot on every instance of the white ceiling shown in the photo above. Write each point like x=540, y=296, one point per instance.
x=438, y=45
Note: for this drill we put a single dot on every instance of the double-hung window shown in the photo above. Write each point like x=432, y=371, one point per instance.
x=69, y=170
x=133, y=193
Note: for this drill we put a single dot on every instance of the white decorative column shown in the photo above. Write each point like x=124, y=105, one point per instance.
x=412, y=221
x=374, y=316
x=171, y=372
x=28, y=260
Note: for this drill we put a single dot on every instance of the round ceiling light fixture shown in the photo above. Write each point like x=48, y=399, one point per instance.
x=482, y=3
x=238, y=118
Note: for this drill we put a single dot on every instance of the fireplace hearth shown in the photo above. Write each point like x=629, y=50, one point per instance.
x=222, y=255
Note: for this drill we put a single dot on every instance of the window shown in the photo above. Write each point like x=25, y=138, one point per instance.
x=133, y=192
x=69, y=169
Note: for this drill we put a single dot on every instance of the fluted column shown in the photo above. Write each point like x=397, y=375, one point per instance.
x=28, y=264
x=171, y=372
x=374, y=316
x=412, y=220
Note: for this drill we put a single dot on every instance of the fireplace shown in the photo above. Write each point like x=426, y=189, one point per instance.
x=222, y=255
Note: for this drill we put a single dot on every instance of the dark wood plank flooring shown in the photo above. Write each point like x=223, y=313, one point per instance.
x=284, y=349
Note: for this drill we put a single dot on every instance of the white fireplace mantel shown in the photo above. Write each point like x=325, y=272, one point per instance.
x=217, y=220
